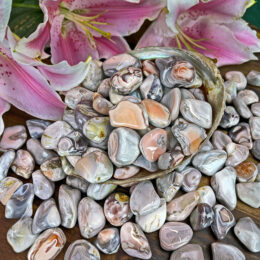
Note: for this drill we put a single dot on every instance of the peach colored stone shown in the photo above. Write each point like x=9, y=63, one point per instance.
x=246, y=171
x=100, y=104
x=126, y=172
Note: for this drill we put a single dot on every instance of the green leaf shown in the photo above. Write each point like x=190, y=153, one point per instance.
x=25, y=17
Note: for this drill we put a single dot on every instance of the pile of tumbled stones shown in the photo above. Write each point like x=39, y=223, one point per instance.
x=147, y=115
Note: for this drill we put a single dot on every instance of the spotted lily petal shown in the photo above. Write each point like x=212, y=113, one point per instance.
x=5, y=11
x=4, y=107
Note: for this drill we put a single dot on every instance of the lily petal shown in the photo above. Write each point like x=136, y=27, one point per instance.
x=4, y=107
x=25, y=87
x=5, y=11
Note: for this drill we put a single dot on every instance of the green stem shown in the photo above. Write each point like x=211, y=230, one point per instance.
x=26, y=6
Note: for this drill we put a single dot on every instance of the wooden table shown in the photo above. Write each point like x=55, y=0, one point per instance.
x=204, y=238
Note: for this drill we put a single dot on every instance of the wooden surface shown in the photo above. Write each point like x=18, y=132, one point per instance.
x=204, y=238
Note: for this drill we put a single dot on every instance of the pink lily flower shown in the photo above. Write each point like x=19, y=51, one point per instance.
x=213, y=28
x=5, y=11
x=76, y=28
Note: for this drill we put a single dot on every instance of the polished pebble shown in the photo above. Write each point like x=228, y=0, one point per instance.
x=152, y=88
x=169, y=160
x=77, y=183
x=149, y=68
x=255, y=108
x=100, y=191
x=238, y=78
x=101, y=105
x=188, y=252
x=246, y=171
x=248, y=96
x=6, y=160
x=8, y=186
x=36, y=127
x=230, y=117
x=254, y=123
x=256, y=149
x=221, y=251
x=145, y=164
x=207, y=195
x=253, y=78
x=185, y=93
x=198, y=93
x=236, y=154
x=191, y=179
x=220, y=140
x=242, y=108
x=104, y=87
x=126, y=172
x=231, y=91
x=114, y=97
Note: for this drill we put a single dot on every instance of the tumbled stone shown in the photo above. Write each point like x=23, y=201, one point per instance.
x=108, y=241
x=101, y=105
x=23, y=164
x=154, y=220
x=136, y=115
x=188, y=252
x=73, y=159
x=6, y=160
x=152, y=88
x=42, y=186
x=169, y=160
x=230, y=90
x=20, y=236
x=255, y=108
x=201, y=217
x=191, y=179
x=144, y=199
x=52, y=169
x=242, y=108
x=174, y=235
x=258, y=175
x=114, y=97
x=95, y=167
x=198, y=93
x=246, y=171
x=46, y=216
x=254, y=123
x=253, y=78
x=208, y=146
x=180, y=208
x=123, y=146
x=158, y=114
x=13, y=137
x=69, y=117
x=238, y=78
x=21, y=202
x=91, y=218
x=7, y=188
x=104, y=87
x=49, y=243
x=248, y=96
x=126, y=172
x=230, y=117
x=134, y=241
x=190, y=136
x=171, y=140
x=248, y=233
x=145, y=164
x=185, y=93
x=256, y=149
x=236, y=154
x=241, y=134
x=117, y=210
x=209, y=162
x=100, y=191
x=220, y=140
x=223, y=183
x=197, y=112
x=149, y=68
x=207, y=195
x=223, y=221
x=36, y=127
x=169, y=185
x=249, y=193
x=77, y=183
x=221, y=251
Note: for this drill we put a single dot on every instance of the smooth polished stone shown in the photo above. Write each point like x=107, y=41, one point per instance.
x=169, y=185
x=174, y=235
x=152, y=88
x=20, y=236
x=248, y=233
x=21, y=202
x=201, y=217
x=208, y=146
x=149, y=68
x=42, y=186
x=185, y=93
x=188, y=252
x=223, y=183
x=100, y=191
x=48, y=245
x=95, y=167
x=220, y=140
x=81, y=250
x=145, y=164
x=104, y=87
x=144, y=199
x=153, y=221
x=241, y=134
x=236, y=154
x=8, y=186
x=258, y=175
x=36, y=127
x=6, y=161
x=242, y=108
x=249, y=193
x=158, y=114
x=254, y=123
x=73, y=159
x=171, y=140
x=69, y=117
x=255, y=108
x=190, y=136
x=169, y=160
x=126, y=172
x=23, y=164
x=230, y=117
x=53, y=133
x=13, y=137
x=136, y=118
x=39, y=153
x=101, y=105
x=223, y=221
x=154, y=144
x=230, y=90
x=238, y=78
x=118, y=62
x=91, y=218
x=248, y=96
x=68, y=205
x=52, y=169
x=191, y=179
x=46, y=216
x=207, y=195
x=117, y=209
x=256, y=149
x=246, y=171
x=221, y=251
x=134, y=241
x=209, y=162
x=197, y=112
x=108, y=241
x=180, y=208
x=123, y=146
x=253, y=78
x=77, y=183
x=114, y=97
x=198, y=93
x=67, y=167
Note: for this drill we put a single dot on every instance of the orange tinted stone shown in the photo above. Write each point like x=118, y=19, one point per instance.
x=246, y=171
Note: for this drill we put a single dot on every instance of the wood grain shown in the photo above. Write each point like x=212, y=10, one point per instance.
x=204, y=238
